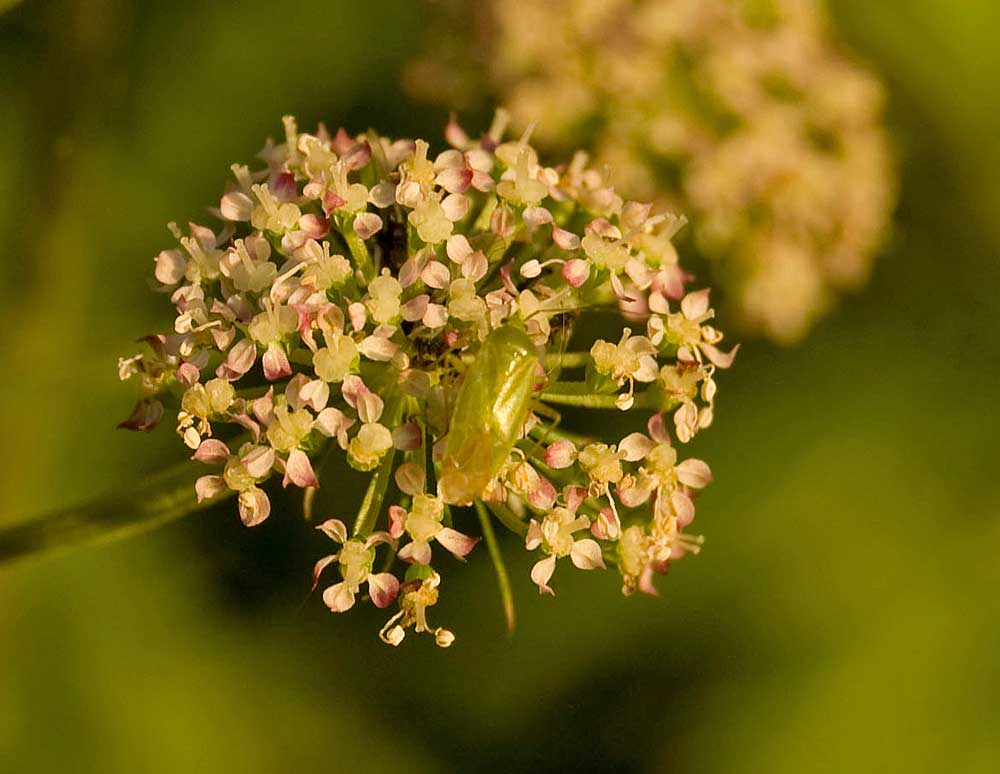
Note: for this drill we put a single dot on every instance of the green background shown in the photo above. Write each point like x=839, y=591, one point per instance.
x=842, y=617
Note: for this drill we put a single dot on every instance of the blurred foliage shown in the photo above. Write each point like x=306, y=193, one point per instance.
x=843, y=616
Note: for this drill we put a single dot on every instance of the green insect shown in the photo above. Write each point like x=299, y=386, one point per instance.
x=492, y=406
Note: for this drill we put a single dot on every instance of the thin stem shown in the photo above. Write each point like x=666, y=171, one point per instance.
x=359, y=251
x=503, y=580
x=567, y=359
x=371, y=506
x=158, y=500
x=507, y=517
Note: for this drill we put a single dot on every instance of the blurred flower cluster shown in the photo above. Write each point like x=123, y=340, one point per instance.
x=413, y=312
x=740, y=113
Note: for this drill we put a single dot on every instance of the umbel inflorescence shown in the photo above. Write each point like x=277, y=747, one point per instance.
x=741, y=113
x=414, y=313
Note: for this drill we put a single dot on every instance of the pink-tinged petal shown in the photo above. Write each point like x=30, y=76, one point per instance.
x=378, y=348
x=455, y=180
x=358, y=315
x=146, y=415
x=658, y=303
x=407, y=436
x=353, y=388
x=560, y=454
x=533, y=538
x=283, y=186
x=321, y=565
x=334, y=529
x=639, y=272
x=645, y=584
x=299, y=471
x=378, y=538
x=456, y=542
x=607, y=525
x=637, y=309
x=383, y=588
x=536, y=216
x=454, y=134
x=436, y=316
x=541, y=573
x=586, y=555
x=241, y=357
x=475, y=266
x=339, y=597
x=263, y=407
x=458, y=248
x=576, y=272
x=417, y=552
x=658, y=428
x=411, y=479
x=275, y=362
x=436, y=275
x=633, y=496
x=543, y=496
x=244, y=420
x=293, y=391
x=415, y=308
x=358, y=156
x=619, y=289
x=332, y=202
x=236, y=206
x=718, y=357
x=397, y=520
x=170, y=267
x=212, y=452
x=695, y=305
x=254, y=506
x=314, y=226
x=635, y=214
x=223, y=337
x=502, y=221
x=259, y=461
x=315, y=394
x=367, y=224
x=564, y=239
x=694, y=473
x=333, y=422
x=683, y=506
x=574, y=495
x=208, y=487
x=456, y=206
x=636, y=446
x=382, y=195
x=187, y=373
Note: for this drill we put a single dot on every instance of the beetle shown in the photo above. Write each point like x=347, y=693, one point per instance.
x=490, y=410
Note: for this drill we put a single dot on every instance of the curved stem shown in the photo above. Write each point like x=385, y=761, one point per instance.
x=507, y=517
x=158, y=500
x=503, y=580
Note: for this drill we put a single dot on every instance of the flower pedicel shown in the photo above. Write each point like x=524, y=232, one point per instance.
x=413, y=313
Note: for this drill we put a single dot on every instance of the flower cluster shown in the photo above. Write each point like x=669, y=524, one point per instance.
x=741, y=114
x=412, y=312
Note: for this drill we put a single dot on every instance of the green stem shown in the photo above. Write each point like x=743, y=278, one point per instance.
x=371, y=506
x=503, y=580
x=158, y=500
x=507, y=517
x=567, y=359
x=359, y=251
x=588, y=400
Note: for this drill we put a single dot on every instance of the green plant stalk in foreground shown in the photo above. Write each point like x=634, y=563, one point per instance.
x=159, y=499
